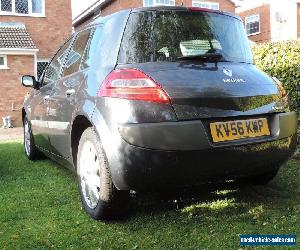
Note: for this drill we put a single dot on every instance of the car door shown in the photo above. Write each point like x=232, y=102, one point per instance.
x=63, y=98
x=39, y=109
x=42, y=98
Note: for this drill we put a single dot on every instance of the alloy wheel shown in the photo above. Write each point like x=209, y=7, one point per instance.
x=89, y=173
x=27, y=137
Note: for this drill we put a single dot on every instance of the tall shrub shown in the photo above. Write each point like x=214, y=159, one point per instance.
x=282, y=60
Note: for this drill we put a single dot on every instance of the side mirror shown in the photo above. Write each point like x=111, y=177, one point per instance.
x=30, y=81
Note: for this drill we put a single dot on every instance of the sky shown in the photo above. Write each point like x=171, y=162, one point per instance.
x=80, y=5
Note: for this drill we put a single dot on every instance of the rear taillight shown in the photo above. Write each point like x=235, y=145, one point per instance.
x=132, y=84
x=280, y=87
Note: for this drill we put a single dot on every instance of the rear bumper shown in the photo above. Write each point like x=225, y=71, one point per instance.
x=195, y=135
x=155, y=156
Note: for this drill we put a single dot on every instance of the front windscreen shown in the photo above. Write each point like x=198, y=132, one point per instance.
x=158, y=36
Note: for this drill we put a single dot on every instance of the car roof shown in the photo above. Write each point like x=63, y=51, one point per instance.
x=162, y=8
x=183, y=8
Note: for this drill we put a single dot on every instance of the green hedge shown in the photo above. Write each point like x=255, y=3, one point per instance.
x=282, y=60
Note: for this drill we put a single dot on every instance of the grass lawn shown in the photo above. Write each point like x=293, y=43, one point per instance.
x=40, y=209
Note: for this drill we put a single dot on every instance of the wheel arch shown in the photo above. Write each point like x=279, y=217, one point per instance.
x=79, y=125
x=96, y=121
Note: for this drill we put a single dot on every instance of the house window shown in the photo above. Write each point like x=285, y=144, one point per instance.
x=41, y=66
x=38, y=6
x=3, y=62
x=206, y=5
x=22, y=7
x=6, y=5
x=252, y=25
x=149, y=3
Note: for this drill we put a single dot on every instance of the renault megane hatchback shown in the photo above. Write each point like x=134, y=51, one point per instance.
x=154, y=98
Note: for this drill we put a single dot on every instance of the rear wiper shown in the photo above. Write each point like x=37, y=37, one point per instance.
x=206, y=57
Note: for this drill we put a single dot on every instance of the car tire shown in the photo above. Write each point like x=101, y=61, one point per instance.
x=100, y=198
x=260, y=180
x=30, y=149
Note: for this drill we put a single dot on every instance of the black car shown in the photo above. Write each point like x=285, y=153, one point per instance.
x=155, y=98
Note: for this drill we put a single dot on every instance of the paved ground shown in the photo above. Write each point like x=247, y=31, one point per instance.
x=11, y=134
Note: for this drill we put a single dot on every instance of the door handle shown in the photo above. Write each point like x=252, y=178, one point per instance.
x=47, y=98
x=70, y=92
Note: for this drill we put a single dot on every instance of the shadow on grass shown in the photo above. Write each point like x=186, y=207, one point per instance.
x=213, y=199
x=252, y=204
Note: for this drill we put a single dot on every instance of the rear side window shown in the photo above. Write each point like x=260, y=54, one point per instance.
x=158, y=36
x=76, y=53
x=54, y=70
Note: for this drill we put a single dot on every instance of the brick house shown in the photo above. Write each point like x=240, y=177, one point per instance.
x=271, y=20
x=30, y=33
x=106, y=7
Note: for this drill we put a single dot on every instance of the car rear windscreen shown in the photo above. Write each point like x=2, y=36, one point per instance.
x=158, y=36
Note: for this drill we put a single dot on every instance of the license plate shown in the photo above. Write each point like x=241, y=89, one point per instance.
x=240, y=129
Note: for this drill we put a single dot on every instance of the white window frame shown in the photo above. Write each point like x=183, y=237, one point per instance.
x=249, y=19
x=195, y=3
x=4, y=66
x=156, y=3
x=14, y=13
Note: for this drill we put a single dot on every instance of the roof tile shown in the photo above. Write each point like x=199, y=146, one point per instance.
x=15, y=37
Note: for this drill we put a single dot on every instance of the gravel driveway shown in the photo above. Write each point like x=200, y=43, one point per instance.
x=11, y=134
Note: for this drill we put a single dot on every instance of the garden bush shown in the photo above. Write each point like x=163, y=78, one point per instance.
x=282, y=60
